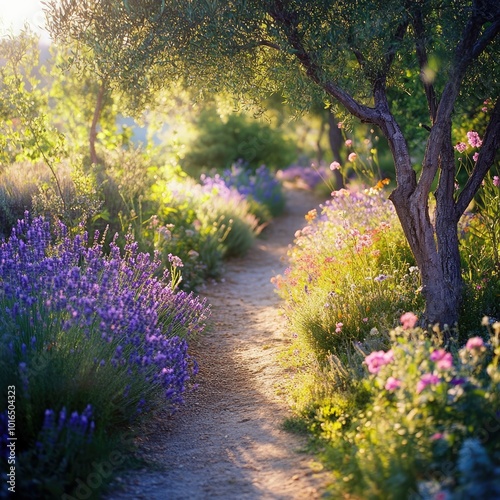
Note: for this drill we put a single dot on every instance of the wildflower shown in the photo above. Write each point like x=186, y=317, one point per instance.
x=436, y=436
x=392, y=384
x=175, y=261
x=408, y=320
x=335, y=165
x=340, y=125
x=474, y=343
x=496, y=181
x=338, y=327
x=380, y=278
x=474, y=140
x=461, y=147
x=475, y=156
x=311, y=215
x=425, y=380
x=165, y=233
x=443, y=359
x=353, y=156
x=193, y=254
x=375, y=360
x=348, y=143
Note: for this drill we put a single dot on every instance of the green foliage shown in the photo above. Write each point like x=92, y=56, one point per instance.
x=425, y=409
x=350, y=271
x=218, y=143
x=480, y=257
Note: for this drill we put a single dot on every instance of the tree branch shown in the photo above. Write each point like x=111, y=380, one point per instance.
x=468, y=49
x=491, y=144
x=421, y=52
x=288, y=22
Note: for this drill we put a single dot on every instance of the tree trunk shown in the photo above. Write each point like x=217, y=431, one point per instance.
x=95, y=121
x=434, y=245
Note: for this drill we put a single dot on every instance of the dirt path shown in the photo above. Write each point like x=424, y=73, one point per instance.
x=227, y=442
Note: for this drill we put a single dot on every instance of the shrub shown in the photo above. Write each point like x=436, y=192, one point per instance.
x=310, y=177
x=83, y=328
x=350, y=271
x=429, y=424
x=27, y=186
x=219, y=143
x=229, y=209
x=261, y=186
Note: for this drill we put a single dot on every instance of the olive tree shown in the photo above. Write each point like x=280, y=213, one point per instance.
x=366, y=56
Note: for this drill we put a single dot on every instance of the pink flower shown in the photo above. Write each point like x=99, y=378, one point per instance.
x=474, y=140
x=392, y=384
x=496, y=181
x=461, y=147
x=338, y=327
x=484, y=109
x=348, y=143
x=378, y=359
x=352, y=156
x=340, y=125
x=425, y=380
x=443, y=359
x=474, y=343
x=335, y=165
x=475, y=156
x=175, y=261
x=436, y=436
x=408, y=320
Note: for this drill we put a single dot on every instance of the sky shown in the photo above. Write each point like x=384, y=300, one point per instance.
x=14, y=13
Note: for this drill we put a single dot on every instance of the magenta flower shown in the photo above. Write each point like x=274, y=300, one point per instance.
x=425, y=380
x=461, y=147
x=377, y=359
x=335, y=165
x=408, y=320
x=436, y=436
x=352, y=156
x=496, y=181
x=475, y=156
x=474, y=343
x=443, y=359
x=474, y=140
x=392, y=384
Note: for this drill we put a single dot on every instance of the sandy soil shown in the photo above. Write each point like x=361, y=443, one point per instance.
x=227, y=441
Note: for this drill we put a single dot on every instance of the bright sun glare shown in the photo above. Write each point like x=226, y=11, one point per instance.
x=15, y=13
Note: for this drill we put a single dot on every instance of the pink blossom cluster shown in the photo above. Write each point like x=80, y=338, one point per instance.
x=474, y=343
x=408, y=320
x=443, y=359
x=474, y=139
x=425, y=380
x=377, y=359
x=461, y=147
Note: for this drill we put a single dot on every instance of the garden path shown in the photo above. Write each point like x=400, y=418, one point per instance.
x=226, y=442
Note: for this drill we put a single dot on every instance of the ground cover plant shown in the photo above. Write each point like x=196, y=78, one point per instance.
x=92, y=343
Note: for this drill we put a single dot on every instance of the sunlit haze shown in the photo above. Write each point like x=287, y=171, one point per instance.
x=15, y=14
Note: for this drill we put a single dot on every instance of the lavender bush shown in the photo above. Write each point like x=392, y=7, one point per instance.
x=80, y=327
x=260, y=185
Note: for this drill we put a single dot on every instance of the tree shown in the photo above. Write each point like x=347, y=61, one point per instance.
x=362, y=54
